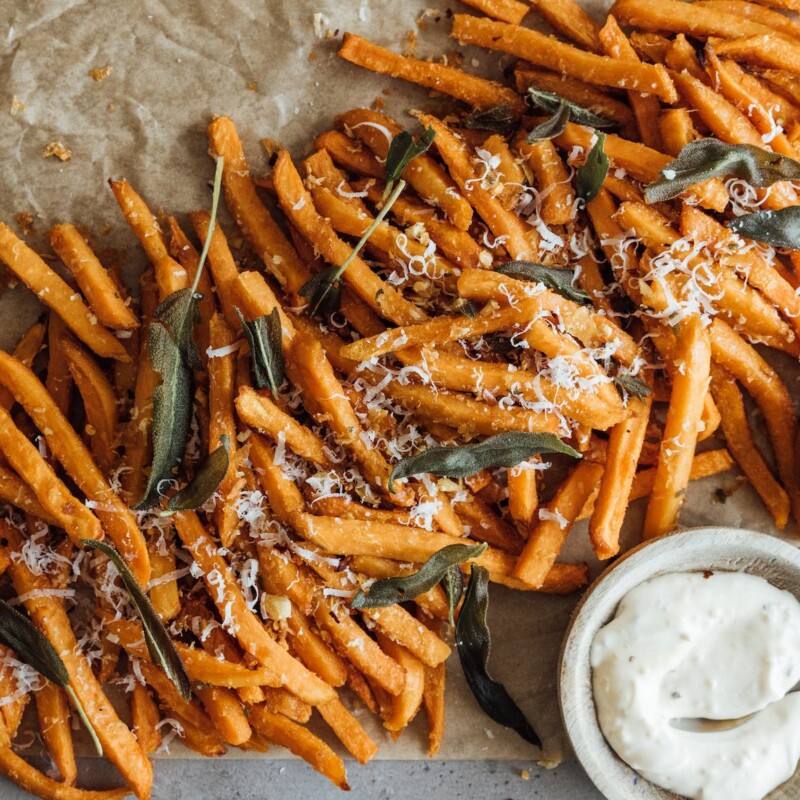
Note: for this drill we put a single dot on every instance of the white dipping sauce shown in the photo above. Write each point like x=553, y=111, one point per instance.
x=686, y=646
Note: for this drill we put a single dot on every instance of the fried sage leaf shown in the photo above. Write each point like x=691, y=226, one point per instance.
x=632, y=386
x=710, y=158
x=777, y=228
x=589, y=176
x=453, y=586
x=264, y=335
x=208, y=477
x=159, y=643
x=502, y=119
x=397, y=590
x=474, y=642
x=550, y=102
x=559, y=280
x=460, y=461
x=30, y=645
x=552, y=127
x=403, y=150
x=174, y=355
x=324, y=290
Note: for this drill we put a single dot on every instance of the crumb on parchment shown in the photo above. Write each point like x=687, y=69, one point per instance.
x=525, y=775
x=100, y=73
x=25, y=222
x=252, y=86
x=16, y=106
x=57, y=150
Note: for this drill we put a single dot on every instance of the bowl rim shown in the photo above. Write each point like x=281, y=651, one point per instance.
x=575, y=701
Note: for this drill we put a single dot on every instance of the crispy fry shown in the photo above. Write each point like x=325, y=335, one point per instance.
x=261, y=413
x=349, y=154
x=18, y=493
x=145, y=718
x=569, y=19
x=523, y=496
x=99, y=402
x=77, y=520
x=404, y=706
x=689, y=387
x=507, y=10
x=298, y=206
x=300, y=741
x=48, y=613
x=226, y=713
x=624, y=448
x=433, y=698
x=52, y=709
x=555, y=520
x=551, y=176
x=763, y=50
x=99, y=288
x=250, y=633
x=58, y=296
x=670, y=15
x=58, y=380
x=349, y=730
x=548, y=52
x=170, y=275
x=740, y=443
x=67, y=447
x=425, y=175
x=521, y=241
x=646, y=107
x=257, y=224
x=37, y=783
x=475, y=92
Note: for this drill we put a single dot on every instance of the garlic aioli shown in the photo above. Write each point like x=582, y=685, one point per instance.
x=694, y=646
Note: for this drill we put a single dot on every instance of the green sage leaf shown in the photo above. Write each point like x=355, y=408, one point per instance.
x=323, y=292
x=18, y=632
x=559, y=280
x=172, y=411
x=552, y=127
x=473, y=641
x=460, y=461
x=403, y=150
x=634, y=387
x=551, y=102
x=710, y=158
x=265, y=337
x=174, y=356
x=502, y=119
x=589, y=176
x=208, y=477
x=777, y=228
x=397, y=590
x=159, y=643
x=453, y=586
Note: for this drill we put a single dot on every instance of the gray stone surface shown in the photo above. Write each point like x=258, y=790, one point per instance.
x=383, y=780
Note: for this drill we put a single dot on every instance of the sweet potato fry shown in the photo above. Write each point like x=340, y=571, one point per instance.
x=520, y=240
x=551, y=177
x=58, y=296
x=646, y=107
x=475, y=92
x=425, y=175
x=404, y=706
x=555, y=521
x=257, y=224
x=145, y=718
x=507, y=10
x=548, y=52
x=170, y=275
x=349, y=730
x=69, y=450
x=99, y=402
x=689, y=387
x=18, y=493
x=739, y=439
x=48, y=613
x=37, y=783
x=300, y=741
x=52, y=709
x=298, y=206
x=570, y=20
x=763, y=50
x=98, y=287
x=251, y=634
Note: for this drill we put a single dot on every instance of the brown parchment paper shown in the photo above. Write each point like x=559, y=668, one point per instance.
x=268, y=64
